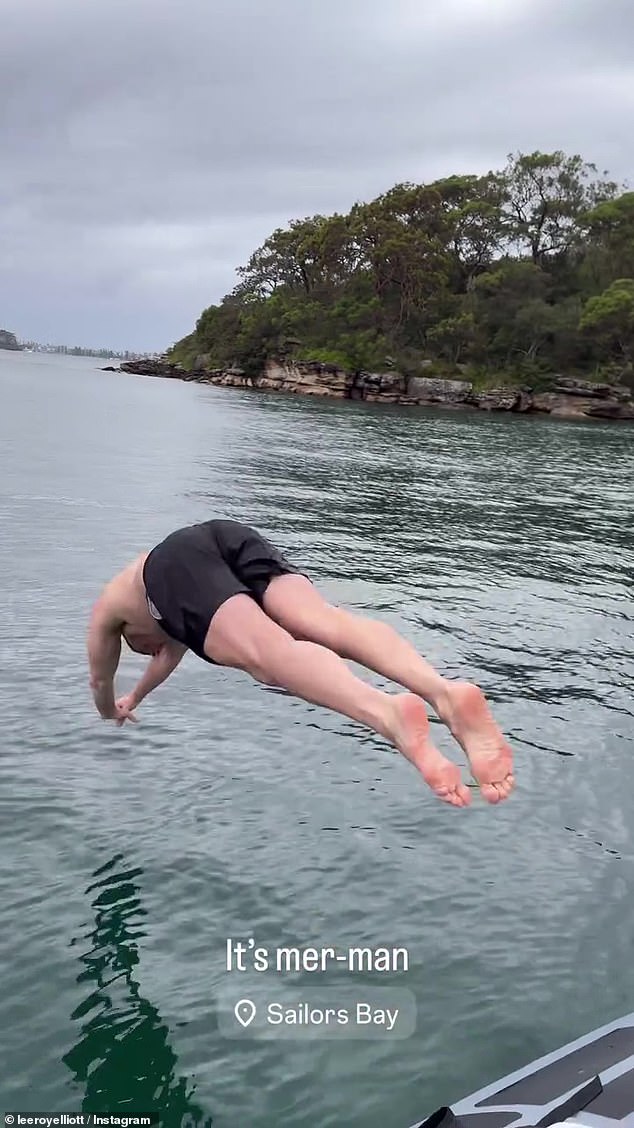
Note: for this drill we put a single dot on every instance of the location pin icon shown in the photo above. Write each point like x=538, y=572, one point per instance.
x=244, y=1011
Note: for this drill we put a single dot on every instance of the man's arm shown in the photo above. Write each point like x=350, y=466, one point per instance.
x=162, y=665
x=104, y=652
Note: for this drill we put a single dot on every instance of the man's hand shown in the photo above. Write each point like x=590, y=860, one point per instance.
x=124, y=710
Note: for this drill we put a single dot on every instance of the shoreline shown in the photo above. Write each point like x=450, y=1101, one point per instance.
x=569, y=398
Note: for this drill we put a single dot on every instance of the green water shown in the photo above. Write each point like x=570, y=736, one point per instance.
x=503, y=548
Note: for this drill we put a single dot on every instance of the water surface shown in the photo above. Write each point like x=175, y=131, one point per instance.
x=502, y=547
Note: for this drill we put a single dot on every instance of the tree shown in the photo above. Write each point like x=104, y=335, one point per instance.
x=609, y=232
x=498, y=297
x=609, y=319
x=312, y=252
x=472, y=205
x=452, y=338
x=545, y=195
x=401, y=239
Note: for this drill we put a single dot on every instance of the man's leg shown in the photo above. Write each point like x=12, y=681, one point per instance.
x=242, y=636
x=293, y=603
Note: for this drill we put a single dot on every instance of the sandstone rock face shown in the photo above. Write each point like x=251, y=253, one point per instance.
x=570, y=387
x=569, y=399
x=611, y=409
x=427, y=389
x=379, y=387
x=615, y=402
x=498, y=399
x=307, y=378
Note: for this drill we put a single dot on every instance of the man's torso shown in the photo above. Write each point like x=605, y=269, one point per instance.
x=128, y=594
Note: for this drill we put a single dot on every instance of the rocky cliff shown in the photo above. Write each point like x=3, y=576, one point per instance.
x=8, y=341
x=568, y=398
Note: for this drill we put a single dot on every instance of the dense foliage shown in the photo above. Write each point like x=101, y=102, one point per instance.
x=521, y=272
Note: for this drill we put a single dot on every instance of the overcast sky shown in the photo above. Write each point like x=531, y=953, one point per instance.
x=148, y=146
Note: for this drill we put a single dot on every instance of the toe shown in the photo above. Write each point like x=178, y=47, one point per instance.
x=490, y=792
x=505, y=786
x=455, y=799
x=464, y=794
x=508, y=784
x=498, y=791
x=456, y=796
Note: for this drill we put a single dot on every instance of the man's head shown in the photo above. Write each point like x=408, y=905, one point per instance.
x=141, y=642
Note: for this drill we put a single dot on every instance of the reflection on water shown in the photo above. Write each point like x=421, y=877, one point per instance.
x=123, y=1056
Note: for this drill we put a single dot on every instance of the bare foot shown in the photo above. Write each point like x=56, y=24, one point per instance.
x=410, y=734
x=467, y=716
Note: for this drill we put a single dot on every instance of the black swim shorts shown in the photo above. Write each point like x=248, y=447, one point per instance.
x=196, y=569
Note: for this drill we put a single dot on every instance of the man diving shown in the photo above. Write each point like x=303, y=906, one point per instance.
x=221, y=590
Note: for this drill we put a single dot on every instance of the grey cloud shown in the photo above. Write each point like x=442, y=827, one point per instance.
x=148, y=148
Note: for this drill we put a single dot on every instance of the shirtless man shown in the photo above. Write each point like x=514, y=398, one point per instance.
x=221, y=590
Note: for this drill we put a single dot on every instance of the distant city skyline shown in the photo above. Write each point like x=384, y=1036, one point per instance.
x=81, y=350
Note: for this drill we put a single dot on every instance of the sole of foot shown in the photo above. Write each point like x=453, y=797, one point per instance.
x=411, y=735
x=469, y=719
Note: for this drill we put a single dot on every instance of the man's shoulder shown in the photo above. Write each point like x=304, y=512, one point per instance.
x=128, y=577
x=132, y=571
x=118, y=596
x=107, y=607
x=113, y=597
